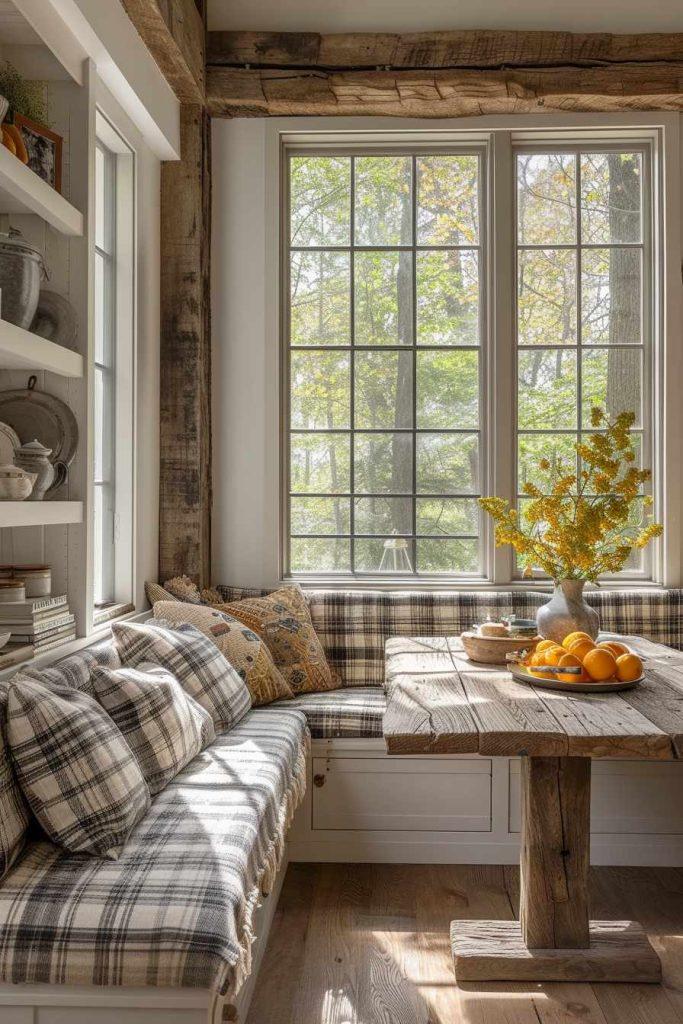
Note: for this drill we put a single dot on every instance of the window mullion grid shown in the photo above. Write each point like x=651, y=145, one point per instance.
x=352, y=366
x=579, y=314
x=414, y=361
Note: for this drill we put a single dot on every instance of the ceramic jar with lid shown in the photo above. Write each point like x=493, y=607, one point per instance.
x=21, y=268
x=37, y=579
x=15, y=483
x=34, y=458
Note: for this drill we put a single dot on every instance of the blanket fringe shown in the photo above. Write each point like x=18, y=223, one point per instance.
x=235, y=975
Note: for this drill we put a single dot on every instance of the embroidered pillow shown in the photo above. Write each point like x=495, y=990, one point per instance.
x=14, y=815
x=283, y=622
x=193, y=659
x=245, y=651
x=75, y=769
x=163, y=726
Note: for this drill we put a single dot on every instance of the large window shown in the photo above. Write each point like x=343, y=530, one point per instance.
x=114, y=272
x=400, y=398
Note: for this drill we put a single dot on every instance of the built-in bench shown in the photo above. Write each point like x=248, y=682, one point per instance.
x=364, y=805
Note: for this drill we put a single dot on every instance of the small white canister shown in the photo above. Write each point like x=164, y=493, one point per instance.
x=11, y=591
x=37, y=579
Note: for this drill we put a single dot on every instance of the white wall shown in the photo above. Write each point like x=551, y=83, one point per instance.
x=245, y=342
x=408, y=16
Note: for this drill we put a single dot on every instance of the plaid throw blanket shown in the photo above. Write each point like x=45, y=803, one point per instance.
x=176, y=909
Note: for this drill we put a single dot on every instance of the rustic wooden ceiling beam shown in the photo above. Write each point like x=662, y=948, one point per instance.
x=471, y=49
x=268, y=92
x=175, y=35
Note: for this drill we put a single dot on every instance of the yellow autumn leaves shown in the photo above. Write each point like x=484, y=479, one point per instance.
x=589, y=522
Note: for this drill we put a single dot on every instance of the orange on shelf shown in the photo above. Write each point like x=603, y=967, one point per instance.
x=629, y=667
x=600, y=665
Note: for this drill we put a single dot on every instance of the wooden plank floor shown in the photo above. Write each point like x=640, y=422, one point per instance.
x=368, y=944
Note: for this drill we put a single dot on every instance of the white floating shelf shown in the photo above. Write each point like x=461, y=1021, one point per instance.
x=22, y=191
x=40, y=513
x=22, y=350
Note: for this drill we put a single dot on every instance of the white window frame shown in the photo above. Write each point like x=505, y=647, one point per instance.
x=122, y=313
x=661, y=132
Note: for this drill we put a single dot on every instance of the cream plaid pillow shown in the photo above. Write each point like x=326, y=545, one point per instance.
x=75, y=769
x=163, y=726
x=193, y=659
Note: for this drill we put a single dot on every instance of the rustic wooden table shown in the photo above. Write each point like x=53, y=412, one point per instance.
x=439, y=702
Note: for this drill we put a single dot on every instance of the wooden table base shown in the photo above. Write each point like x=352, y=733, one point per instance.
x=554, y=940
x=495, y=951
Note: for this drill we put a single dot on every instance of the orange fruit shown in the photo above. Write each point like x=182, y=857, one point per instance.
x=571, y=637
x=571, y=661
x=581, y=648
x=629, y=667
x=551, y=657
x=545, y=645
x=615, y=647
x=600, y=665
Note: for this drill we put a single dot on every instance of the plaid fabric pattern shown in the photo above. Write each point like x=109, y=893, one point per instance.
x=163, y=726
x=74, y=767
x=354, y=625
x=76, y=670
x=175, y=910
x=193, y=659
x=14, y=816
x=355, y=712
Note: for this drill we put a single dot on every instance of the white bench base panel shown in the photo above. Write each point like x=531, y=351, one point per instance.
x=464, y=809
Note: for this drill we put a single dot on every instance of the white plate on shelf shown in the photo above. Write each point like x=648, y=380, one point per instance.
x=4, y=639
x=9, y=442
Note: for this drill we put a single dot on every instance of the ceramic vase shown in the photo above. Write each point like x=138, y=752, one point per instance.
x=34, y=458
x=566, y=612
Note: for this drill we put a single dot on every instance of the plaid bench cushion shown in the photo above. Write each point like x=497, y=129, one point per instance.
x=351, y=713
x=176, y=909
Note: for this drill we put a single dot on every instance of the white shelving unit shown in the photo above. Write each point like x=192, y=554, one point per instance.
x=22, y=191
x=40, y=513
x=22, y=350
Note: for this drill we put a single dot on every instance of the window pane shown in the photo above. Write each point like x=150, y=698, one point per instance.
x=611, y=296
x=447, y=389
x=383, y=463
x=447, y=515
x=546, y=198
x=558, y=449
x=98, y=530
x=451, y=556
x=448, y=297
x=447, y=463
x=448, y=200
x=384, y=515
x=383, y=389
x=321, y=390
x=547, y=393
x=319, y=515
x=611, y=378
x=383, y=292
x=320, y=200
x=99, y=198
x=389, y=554
x=311, y=554
x=320, y=463
x=546, y=297
x=320, y=305
x=610, y=197
x=100, y=310
x=384, y=213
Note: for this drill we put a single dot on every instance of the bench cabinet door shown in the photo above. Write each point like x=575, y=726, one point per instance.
x=403, y=794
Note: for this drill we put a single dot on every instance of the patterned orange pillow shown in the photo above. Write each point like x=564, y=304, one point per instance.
x=283, y=622
x=245, y=651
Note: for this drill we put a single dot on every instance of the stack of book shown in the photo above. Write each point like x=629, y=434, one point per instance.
x=38, y=622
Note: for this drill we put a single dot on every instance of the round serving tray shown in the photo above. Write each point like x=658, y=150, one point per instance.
x=611, y=686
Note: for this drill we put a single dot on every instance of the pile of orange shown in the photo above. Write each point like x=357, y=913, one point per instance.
x=599, y=663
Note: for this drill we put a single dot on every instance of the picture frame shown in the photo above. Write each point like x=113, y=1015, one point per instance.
x=44, y=150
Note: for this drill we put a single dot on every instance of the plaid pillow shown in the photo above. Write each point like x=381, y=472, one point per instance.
x=163, y=726
x=193, y=659
x=245, y=651
x=13, y=810
x=75, y=768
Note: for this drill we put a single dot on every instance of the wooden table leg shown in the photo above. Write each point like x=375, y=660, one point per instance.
x=554, y=940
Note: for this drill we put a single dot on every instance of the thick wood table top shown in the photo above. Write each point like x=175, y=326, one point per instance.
x=439, y=702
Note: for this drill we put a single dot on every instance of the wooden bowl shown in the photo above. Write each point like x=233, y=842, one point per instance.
x=491, y=650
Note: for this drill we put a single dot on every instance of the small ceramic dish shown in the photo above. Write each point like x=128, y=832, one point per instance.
x=492, y=650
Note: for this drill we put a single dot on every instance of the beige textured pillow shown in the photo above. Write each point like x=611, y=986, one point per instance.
x=245, y=651
x=283, y=621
